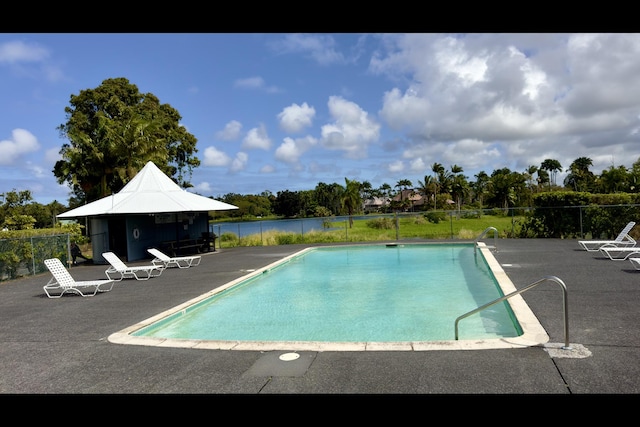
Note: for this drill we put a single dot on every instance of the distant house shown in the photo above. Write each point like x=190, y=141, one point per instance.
x=374, y=204
x=416, y=198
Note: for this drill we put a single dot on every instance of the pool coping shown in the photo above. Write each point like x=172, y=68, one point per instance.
x=533, y=332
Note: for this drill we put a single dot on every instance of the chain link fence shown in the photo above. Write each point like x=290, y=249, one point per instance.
x=566, y=222
x=25, y=256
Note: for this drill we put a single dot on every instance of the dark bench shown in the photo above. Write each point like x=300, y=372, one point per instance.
x=184, y=247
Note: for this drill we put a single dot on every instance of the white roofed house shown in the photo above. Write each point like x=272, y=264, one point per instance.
x=374, y=204
x=150, y=211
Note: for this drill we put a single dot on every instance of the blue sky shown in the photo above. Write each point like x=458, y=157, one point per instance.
x=285, y=111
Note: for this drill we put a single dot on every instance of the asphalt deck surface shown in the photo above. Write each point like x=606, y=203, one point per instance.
x=60, y=346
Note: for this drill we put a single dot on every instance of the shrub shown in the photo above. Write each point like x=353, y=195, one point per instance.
x=381, y=223
x=435, y=216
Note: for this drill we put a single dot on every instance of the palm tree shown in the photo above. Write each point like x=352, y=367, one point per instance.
x=459, y=185
x=403, y=184
x=479, y=187
x=532, y=169
x=553, y=167
x=437, y=170
x=351, y=198
x=428, y=188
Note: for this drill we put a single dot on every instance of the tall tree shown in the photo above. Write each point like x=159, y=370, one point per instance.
x=329, y=196
x=553, y=167
x=580, y=178
x=505, y=186
x=459, y=185
x=480, y=185
x=428, y=188
x=634, y=177
x=614, y=179
x=403, y=184
x=532, y=169
x=113, y=131
x=438, y=174
x=351, y=200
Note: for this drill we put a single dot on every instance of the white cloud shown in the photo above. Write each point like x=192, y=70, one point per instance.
x=291, y=149
x=231, y=131
x=396, y=166
x=257, y=138
x=52, y=155
x=250, y=83
x=320, y=48
x=240, y=162
x=30, y=59
x=296, y=118
x=215, y=157
x=202, y=188
x=255, y=83
x=352, y=129
x=21, y=142
x=15, y=52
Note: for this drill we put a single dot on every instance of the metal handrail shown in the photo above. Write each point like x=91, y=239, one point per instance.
x=526, y=288
x=484, y=233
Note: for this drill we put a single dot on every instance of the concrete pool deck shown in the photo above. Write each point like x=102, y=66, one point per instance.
x=60, y=345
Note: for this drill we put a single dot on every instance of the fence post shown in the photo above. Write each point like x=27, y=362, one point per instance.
x=346, y=232
x=451, y=223
x=397, y=221
x=33, y=256
x=581, y=231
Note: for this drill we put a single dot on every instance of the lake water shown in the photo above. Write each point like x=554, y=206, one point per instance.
x=301, y=226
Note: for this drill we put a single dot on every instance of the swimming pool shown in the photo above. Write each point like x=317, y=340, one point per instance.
x=367, y=297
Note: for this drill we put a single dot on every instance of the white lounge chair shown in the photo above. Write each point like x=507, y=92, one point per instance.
x=177, y=261
x=635, y=261
x=62, y=282
x=623, y=240
x=119, y=270
x=619, y=254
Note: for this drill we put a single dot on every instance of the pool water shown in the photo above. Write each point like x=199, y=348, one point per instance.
x=359, y=293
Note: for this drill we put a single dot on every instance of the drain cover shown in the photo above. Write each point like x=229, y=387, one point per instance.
x=281, y=364
x=289, y=356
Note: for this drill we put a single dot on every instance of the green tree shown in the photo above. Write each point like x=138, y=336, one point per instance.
x=634, y=177
x=532, y=169
x=329, y=196
x=543, y=178
x=580, y=178
x=287, y=203
x=505, y=187
x=15, y=210
x=459, y=185
x=113, y=131
x=351, y=200
x=438, y=175
x=366, y=190
x=479, y=186
x=308, y=202
x=428, y=188
x=614, y=180
x=553, y=167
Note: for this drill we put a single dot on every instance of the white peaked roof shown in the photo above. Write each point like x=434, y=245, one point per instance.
x=150, y=191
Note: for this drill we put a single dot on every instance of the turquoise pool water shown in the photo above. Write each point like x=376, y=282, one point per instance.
x=360, y=293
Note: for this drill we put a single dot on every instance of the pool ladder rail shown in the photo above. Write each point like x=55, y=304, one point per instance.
x=484, y=233
x=566, y=346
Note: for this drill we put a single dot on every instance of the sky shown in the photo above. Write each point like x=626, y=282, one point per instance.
x=286, y=111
